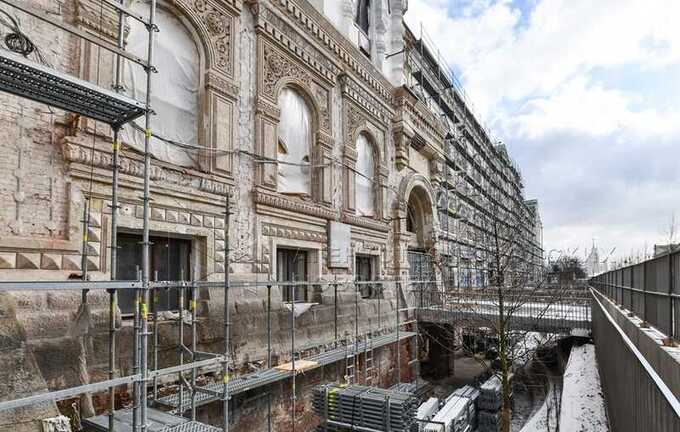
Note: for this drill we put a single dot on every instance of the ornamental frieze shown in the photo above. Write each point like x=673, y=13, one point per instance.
x=78, y=154
x=286, y=203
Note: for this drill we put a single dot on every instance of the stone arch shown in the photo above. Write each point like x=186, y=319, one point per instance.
x=306, y=93
x=378, y=151
x=213, y=29
x=416, y=192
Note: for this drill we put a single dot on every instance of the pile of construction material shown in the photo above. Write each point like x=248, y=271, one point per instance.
x=420, y=389
x=489, y=403
x=426, y=411
x=343, y=407
x=459, y=413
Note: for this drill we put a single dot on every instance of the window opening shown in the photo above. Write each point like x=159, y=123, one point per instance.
x=291, y=266
x=170, y=257
x=364, y=178
x=294, y=143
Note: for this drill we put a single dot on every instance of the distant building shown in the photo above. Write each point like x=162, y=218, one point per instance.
x=593, y=264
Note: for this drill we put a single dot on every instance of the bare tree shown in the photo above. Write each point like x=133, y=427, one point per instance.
x=511, y=302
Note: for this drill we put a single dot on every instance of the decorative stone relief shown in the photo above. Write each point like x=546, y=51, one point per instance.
x=278, y=66
x=219, y=27
x=292, y=233
x=286, y=203
x=78, y=154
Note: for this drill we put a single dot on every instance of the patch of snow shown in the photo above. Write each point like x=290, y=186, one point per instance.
x=583, y=406
x=545, y=419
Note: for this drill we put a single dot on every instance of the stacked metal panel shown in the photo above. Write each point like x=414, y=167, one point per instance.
x=452, y=417
x=489, y=402
x=366, y=407
x=420, y=390
x=489, y=421
x=426, y=411
x=490, y=398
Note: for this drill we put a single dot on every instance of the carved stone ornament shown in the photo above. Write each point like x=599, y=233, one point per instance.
x=278, y=66
x=99, y=159
x=219, y=28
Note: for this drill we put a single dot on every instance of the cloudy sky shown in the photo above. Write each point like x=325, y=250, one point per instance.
x=586, y=95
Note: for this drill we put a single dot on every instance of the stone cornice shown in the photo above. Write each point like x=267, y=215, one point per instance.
x=364, y=222
x=274, y=199
x=351, y=90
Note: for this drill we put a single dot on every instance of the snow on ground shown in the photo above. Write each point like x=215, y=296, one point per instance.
x=545, y=419
x=583, y=406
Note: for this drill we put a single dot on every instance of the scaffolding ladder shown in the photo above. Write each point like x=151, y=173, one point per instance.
x=369, y=367
x=350, y=360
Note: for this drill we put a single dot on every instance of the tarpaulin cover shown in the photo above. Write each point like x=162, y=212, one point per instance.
x=295, y=138
x=365, y=185
x=174, y=89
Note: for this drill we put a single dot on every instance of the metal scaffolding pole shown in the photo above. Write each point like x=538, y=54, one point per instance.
x=397, y=330
x=225, y=366
x=146, y=268
x=180, y=375
x=292, y=354
x=113, y=293
x=269, y=354
x=194, y=305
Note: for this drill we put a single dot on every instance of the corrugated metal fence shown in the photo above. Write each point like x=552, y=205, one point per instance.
x=637, y=398
x=651, y=289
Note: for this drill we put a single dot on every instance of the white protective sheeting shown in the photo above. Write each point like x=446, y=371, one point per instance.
x=365, y=184
x=295, y=140
x=174, y=89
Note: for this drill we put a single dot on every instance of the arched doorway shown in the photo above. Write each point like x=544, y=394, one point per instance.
x=419, y=229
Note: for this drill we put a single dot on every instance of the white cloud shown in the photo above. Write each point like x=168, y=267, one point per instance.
x=597, y=148
x=582, y=107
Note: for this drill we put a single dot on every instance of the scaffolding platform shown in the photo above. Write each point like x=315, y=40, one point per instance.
x=25, y=78
x=122, y=421
x=213, y=392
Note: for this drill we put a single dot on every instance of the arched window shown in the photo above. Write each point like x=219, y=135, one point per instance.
x=174, y=89
x=295, y=143
x=365, y=177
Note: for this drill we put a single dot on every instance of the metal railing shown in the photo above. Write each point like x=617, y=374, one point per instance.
x=524, y=309
x=650, y=289
x=637, y=397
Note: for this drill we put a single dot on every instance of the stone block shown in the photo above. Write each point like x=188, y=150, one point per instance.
x=208, y=221
x=28, y=261
x=171, y=215
x=219, y=256
x=94, y=234
x=127, y=210
x=93, y=248
x=8, y=260
x=219, y=245
x=139, y=211
x=95, y=219
x=184, y=218
x=196, y=220
x=158, y=214
x=92, y=263
x=71, y=262
x=219, y=234
x=219, y=223
x=50, y=261
x=219, y=267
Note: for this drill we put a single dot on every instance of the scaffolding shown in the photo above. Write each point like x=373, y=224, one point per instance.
x=25, y=78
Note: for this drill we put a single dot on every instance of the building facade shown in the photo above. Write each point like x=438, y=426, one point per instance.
x=310, y=115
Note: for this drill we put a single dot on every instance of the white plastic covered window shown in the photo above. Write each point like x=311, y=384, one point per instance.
x=295, y=143
x=365, y=178
x=174, y=89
